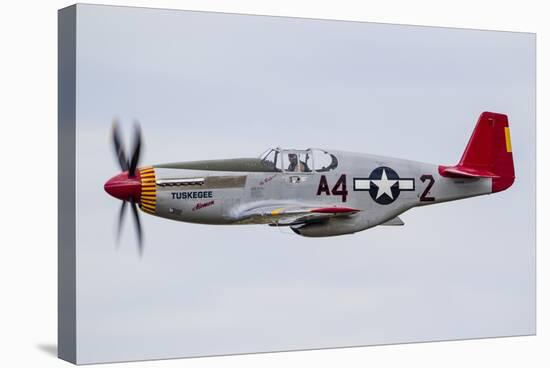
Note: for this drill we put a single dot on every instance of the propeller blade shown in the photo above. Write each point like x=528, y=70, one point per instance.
x=128, y=164
x=120, y=219
x=138, y=226
x=119, y=148
x=136, y=151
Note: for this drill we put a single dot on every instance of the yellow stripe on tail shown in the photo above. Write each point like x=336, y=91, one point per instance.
x=508, y=140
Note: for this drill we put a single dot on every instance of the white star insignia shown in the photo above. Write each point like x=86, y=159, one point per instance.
x=384, y=185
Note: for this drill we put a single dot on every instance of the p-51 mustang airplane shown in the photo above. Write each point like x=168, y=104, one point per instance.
x=316, y=192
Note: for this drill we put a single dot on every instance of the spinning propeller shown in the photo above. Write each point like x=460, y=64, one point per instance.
x=126, y=186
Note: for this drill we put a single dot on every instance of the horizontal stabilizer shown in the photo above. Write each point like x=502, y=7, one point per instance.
x=396, y=221
x=465, y=172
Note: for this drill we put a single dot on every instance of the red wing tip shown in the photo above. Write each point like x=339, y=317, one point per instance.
x=335, y=210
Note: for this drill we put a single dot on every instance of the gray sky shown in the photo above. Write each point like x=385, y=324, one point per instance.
x=206, y=85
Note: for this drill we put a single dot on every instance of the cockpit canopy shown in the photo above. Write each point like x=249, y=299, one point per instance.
x=303, y=161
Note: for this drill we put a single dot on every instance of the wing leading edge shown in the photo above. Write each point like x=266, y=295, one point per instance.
x=293, y=215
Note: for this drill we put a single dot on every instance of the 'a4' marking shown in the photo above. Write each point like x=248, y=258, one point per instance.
x=340, y=188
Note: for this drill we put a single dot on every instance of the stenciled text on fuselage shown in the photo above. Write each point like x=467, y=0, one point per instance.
x=192, y=195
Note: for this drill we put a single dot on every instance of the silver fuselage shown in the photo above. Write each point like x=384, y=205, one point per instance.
x=214, y=193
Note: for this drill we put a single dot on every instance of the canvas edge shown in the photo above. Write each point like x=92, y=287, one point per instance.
x=66, y=200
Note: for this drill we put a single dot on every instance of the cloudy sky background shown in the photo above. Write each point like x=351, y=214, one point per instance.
x=206, y=85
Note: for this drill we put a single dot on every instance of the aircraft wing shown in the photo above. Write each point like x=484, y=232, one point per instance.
x=293, y=215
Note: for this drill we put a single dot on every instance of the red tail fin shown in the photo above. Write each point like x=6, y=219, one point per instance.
x=488, y=153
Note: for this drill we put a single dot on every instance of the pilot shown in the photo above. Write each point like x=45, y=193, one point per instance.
x=294, y=165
